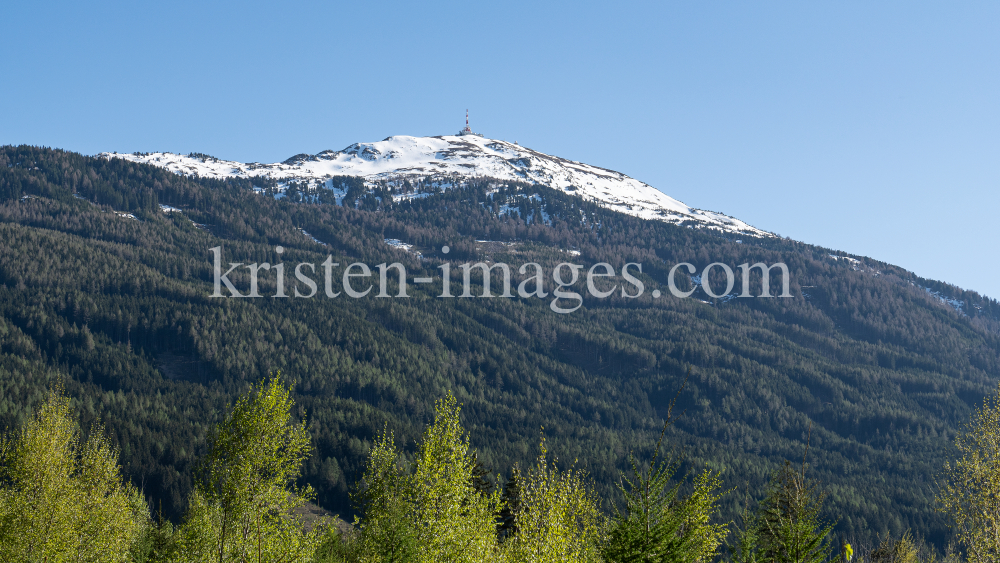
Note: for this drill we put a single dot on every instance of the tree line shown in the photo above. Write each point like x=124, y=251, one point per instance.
x=62, y=498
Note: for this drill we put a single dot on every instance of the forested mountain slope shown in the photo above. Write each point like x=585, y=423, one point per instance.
x=102, y=287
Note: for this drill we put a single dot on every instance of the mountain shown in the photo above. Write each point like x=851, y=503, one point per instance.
x=105, y=284
x=440, y=160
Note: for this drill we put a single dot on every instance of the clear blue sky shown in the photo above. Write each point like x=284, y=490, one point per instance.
x=870, y=127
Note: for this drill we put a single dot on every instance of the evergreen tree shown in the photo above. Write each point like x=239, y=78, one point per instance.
x=903, y=550
x=883, y=366
x=510, y=504
x=434, y=513
x=156, y=544
x=658, y=524
x=387, y=531
x=747, y=535
x=787, y=524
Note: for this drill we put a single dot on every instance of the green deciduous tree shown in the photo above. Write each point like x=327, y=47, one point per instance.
x=242, y=508
x=62, y=499
x=387, y=531
x=434, y=512
x=118, y=304
x=455, y=522
x=557, y=518
x=970, y=492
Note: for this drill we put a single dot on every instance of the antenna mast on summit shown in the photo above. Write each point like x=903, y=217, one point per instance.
x=467, y=130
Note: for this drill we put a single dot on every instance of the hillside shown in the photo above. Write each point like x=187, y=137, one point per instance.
x=105, y=277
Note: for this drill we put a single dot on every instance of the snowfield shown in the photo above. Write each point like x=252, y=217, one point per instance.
x=402, y=157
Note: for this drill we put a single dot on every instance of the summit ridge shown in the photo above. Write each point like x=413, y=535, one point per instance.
x=459, y=157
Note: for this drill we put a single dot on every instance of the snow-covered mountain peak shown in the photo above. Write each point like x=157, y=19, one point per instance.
x=457, y=157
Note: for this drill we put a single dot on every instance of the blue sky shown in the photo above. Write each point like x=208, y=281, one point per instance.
x=870, y=127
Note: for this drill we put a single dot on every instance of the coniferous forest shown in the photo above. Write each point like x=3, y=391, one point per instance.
x=855, y=388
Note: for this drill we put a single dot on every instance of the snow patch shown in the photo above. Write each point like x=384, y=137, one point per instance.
x=312, y=238
x=953, y=303
x=857, y=265
x=406, y=247
x=461, y=156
